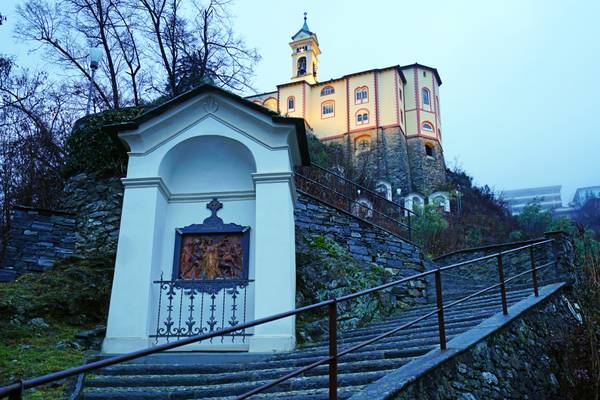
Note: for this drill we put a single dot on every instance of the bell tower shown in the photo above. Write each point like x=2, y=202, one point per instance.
x=305, y=55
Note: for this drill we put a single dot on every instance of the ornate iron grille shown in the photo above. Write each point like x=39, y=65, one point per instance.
x=193, y=307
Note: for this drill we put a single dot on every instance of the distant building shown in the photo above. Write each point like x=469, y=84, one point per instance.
x=387, y=120
x=549, y=198
x=582, y=195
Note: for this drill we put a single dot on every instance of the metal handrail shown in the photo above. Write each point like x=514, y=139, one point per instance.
x=363, y=188
x=382, y=219
x=15, y=390
x=345, y=196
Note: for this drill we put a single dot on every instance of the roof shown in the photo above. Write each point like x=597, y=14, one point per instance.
x=305, y=30
x=397, y=67
x=298, y=123
x=587, y=188
x=260, y=95
x=531, y=192
x=433, y=70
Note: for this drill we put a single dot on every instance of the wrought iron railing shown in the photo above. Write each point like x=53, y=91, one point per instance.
x=192, y=307
x=342, y=193
x=15, y=390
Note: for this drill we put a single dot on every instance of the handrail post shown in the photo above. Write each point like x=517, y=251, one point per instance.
x=440, y=308
x=409, y=228
x=18, y=393
x=533, y=272
x=333, y=350
x=502, y=285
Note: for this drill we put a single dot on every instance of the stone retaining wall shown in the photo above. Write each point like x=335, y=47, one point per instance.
x=97, y=203
x=485, y=273
x=95, y=206
x=365, y=242
x=38, y=238
x=519, y=361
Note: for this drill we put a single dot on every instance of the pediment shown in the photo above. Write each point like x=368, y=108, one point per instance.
x=207, y=113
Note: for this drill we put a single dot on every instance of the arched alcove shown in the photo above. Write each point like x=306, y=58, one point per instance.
x=208, y=164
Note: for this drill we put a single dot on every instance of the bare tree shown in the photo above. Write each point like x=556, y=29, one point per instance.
x=34, y=119
x=186, y=40
x=212, y=50
x=165, y=31
x=66, y=29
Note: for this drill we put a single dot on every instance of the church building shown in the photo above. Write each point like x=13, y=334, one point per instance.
x=389, y=115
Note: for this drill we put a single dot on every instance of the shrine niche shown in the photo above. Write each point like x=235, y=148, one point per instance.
x=212, y=251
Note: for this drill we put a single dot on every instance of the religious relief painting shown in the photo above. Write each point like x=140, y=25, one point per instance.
x=211, y=256
x=211, y=251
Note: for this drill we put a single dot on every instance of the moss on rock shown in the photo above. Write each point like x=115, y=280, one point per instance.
x=325, y=270
x=43, y=315
x=73, y=291
x=91, y=149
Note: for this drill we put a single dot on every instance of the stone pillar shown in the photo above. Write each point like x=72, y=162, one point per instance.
x=136, y=267
x=564, y=250
x=275, y=264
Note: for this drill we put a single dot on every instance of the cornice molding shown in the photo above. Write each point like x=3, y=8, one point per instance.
x=158, y=182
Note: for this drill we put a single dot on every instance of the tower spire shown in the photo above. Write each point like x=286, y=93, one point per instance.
x=305, y=46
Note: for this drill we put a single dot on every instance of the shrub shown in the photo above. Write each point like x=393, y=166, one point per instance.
x=91, y=149
x=75, y=292
x=326, y=270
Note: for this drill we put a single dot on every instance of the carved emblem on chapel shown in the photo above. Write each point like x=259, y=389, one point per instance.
x=210, y=106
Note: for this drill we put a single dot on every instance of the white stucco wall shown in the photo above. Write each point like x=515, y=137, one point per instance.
x=207, y=147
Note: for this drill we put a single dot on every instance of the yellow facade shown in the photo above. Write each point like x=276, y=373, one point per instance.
x=389, y=97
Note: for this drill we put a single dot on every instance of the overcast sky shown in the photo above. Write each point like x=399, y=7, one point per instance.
x=519, y=98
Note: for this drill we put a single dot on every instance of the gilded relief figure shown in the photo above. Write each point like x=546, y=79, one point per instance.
x=211, y=256
x=210, y=260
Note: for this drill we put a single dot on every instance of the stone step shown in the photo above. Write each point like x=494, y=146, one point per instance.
x=431, y=322
x=199, y=377
x=229, y=389
x=225, y=380
x=485, y=298
x=312, y=394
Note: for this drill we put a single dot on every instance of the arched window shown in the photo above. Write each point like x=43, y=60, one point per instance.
x=362, y=117
x=429, y=149
x=327, y=109
x=427, y=126
x=362, y=208
x=414, y=202
x=362, y=144
x=384, y=189
x=291, y=103
x=302, y=66
x=327, y=90
x=426, y=98
x=400, y=93
x=441, y=201
x=401, y=116
x=361, y=95
x=271, y=103
x=338, y=169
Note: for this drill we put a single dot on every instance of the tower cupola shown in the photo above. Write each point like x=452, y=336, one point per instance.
x=305, y=55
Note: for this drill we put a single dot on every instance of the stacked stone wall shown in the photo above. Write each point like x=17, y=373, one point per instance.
x=38, y=238
x=520, y=361
x=398, y=171
x=365, y=242
x=428, y=172
x=97, y=203
x=484, y=273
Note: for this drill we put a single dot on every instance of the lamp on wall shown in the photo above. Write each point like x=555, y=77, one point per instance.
x=95, y=57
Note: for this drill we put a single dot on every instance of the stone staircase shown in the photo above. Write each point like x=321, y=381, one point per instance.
x=210, y=376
